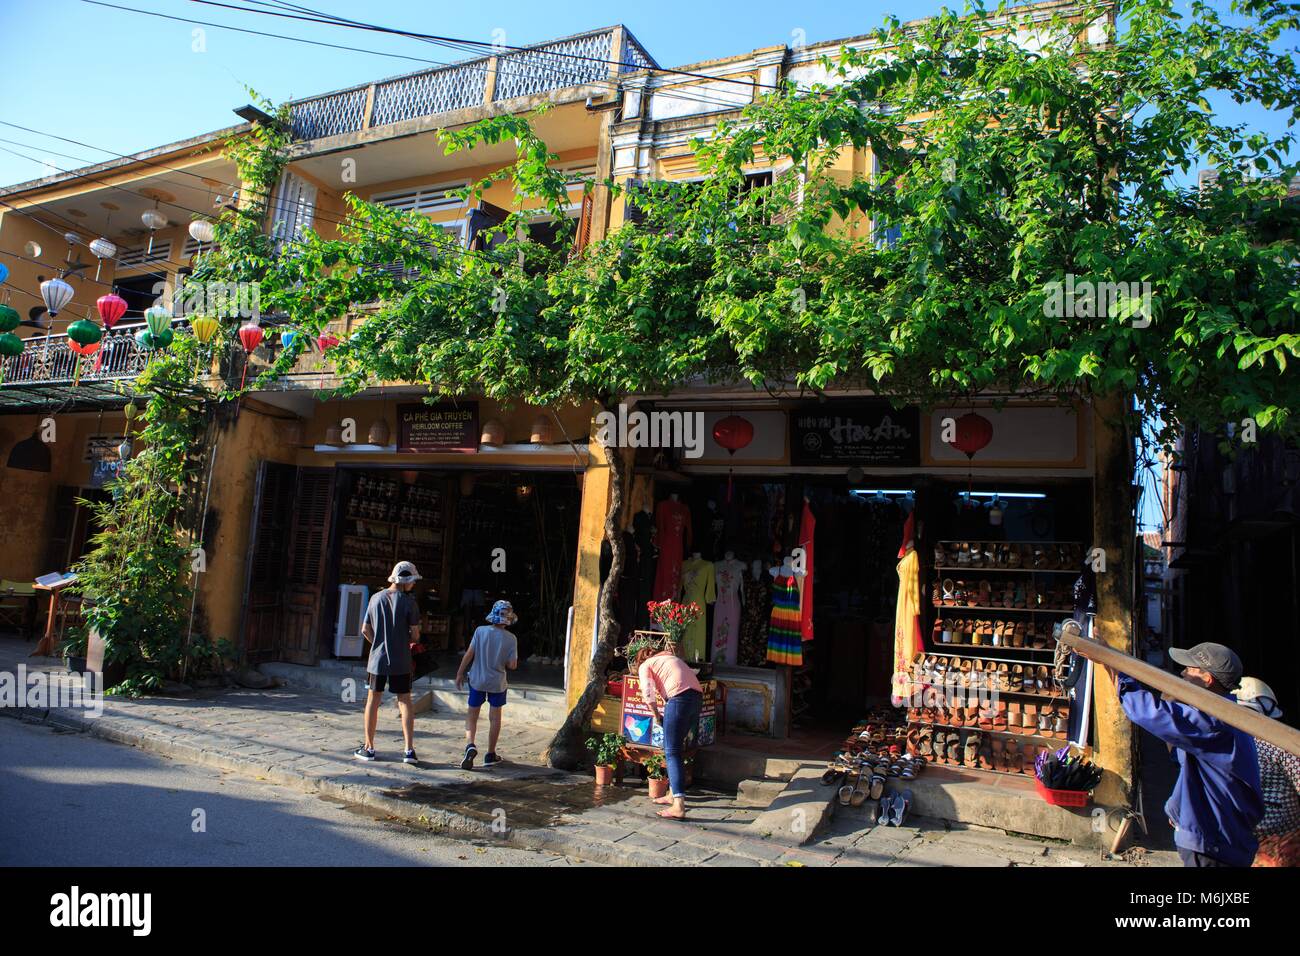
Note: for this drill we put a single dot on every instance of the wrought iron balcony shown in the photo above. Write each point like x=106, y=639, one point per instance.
x=581, y=60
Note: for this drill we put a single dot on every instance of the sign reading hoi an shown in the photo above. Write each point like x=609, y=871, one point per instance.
x=443, y=427
x=855, y=433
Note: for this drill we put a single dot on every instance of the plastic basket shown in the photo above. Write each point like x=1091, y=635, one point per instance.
x=1062, y=798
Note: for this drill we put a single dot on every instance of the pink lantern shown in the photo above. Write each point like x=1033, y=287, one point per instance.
x=111, y=308
x=326, y=341
x=250, y=336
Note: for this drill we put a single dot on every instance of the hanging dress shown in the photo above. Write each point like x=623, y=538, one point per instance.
x=673, y=536
x=784, y=641
x=726, y=613
x=807, y=530
x=755, y=617
x=698, y=586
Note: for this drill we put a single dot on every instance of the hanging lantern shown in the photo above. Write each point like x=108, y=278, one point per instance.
x=543, y=430
x=124, y=449
x=111, y=308
x=56, y=293
x=378, y=434
x=154, y=340
x=153, y=220
x=494, y=433
x=733, y=433
x=250, y=336
x=10, y=345
x=334, y=435
x=84, y=350
x=287, y=338
x=9, y=318
x=4, y=272
x=84, y=333
x=204, y=328
x=102, y=249
x=973, y=433
x=129, y=410
x=326, y=341
x=157, y=319
x=202, y=231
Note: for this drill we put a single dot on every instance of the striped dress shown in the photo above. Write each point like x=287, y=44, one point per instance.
x=784, y=637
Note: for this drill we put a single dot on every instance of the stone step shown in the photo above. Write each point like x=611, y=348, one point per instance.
x=758, y=793
x=796, y=813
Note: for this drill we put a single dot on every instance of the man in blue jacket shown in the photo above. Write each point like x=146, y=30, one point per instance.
x=1216, y=801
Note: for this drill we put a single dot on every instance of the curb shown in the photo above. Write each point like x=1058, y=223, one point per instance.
x=444, y=822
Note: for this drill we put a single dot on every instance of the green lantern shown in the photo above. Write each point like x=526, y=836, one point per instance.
x=85, y=332
x=150, y=340
x=158, y=319
x=8, y=318
x=10, y=345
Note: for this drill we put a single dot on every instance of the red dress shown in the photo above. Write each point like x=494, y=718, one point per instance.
x=673, y=536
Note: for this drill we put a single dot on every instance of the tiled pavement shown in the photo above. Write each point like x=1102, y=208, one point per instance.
x=298, y=739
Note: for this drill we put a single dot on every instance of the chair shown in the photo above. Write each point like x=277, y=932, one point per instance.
x=18, y=608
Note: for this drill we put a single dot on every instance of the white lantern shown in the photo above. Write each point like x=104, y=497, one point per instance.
x=102, y=249
x=202, y=231
x=153, y=219
x=56, y=294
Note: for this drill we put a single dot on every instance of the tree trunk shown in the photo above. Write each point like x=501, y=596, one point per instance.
x=567, y=750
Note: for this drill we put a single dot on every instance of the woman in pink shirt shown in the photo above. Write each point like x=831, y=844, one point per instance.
x=665, y=675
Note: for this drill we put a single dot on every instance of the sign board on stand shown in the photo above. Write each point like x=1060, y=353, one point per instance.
x=639, y=727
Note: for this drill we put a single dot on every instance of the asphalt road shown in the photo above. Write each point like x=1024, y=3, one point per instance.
x=73, y=800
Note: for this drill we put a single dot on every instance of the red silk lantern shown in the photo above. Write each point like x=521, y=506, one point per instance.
x=111, y=308
x=326, y=341
x=973, y=433
x=90, y=348
x=733, y=433
x=250, y=336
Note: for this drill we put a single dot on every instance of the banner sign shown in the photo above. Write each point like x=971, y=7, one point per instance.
x=857, y=432
x=440, y=428
x=641, y=729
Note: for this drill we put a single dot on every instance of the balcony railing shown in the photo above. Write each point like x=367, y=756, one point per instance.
x=580, y=60
x=49, y=360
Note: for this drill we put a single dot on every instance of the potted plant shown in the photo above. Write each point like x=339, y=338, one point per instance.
x=673, y=618
x=73, y=650
x=605, y=749
x=657, y=773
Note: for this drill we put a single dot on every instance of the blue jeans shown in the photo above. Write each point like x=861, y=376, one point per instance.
x=681, y=716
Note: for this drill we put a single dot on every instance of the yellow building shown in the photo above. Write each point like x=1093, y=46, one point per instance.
x=305, y=494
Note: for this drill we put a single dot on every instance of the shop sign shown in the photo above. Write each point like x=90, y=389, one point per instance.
x=101, y=447
x=443, y=427
x=855, y=433
x=640, y=728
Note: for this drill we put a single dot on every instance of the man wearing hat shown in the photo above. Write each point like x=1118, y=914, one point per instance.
x=492, y=651
x=1216, y=802
x=392, y=625
x=1279, y=781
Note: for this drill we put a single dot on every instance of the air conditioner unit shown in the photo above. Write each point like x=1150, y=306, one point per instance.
x=353, y=601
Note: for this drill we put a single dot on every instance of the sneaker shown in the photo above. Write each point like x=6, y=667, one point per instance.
x=491, y=760
x=470, y=753
x=410, y=757
x=361, y=753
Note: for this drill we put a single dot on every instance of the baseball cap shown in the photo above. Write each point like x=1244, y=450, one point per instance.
x=404, y=573
x=1258, y=696
x=1220, y=661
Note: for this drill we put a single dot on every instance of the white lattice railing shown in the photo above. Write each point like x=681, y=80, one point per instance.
x=48, y=358
x=573, y=61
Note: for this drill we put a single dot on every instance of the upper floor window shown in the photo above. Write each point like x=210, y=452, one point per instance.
x=295, y=207
x=424, y=199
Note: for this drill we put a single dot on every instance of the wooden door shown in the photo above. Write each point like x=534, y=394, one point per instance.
x=303, y=623
x=264, y=577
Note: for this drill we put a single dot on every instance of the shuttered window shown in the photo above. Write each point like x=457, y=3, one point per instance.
x=140, y=256
x=422, y=198
x=295, y=207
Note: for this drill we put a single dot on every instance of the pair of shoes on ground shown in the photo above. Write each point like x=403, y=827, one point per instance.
x=368, y=755
x=893, y=808
x=491, y=760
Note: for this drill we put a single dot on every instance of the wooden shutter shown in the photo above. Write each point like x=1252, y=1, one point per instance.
x=308, y=545
x=480, y=220
x=631, y=211
x=583, y=235
x=260, y=625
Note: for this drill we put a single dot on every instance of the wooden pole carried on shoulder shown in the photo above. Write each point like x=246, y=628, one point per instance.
x=1243, y=718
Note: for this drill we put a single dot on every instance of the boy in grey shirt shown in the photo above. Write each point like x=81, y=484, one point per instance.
x=392, y=625
x=492, y=651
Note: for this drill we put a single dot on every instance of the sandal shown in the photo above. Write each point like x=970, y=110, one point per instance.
x=848, y=789
x=949, y=592
x=986, y=593
x=971, y=749
x=998, y=639
x=1015, y=762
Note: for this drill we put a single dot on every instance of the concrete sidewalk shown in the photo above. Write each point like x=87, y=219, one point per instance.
x=304, y=740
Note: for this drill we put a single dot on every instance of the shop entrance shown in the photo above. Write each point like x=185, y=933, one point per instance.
x=325, y=539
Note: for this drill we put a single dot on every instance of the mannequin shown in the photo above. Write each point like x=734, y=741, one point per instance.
x=729, y=575
x=673, y=536
x=698, y=585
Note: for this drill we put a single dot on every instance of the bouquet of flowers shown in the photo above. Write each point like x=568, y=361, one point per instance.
x=673, y=617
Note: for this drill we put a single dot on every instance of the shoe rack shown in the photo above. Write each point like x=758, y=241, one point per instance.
x=993, y=701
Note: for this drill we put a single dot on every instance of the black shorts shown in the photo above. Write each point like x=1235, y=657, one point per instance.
x=397, y=683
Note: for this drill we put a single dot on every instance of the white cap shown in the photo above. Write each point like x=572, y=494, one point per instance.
x=404, y=573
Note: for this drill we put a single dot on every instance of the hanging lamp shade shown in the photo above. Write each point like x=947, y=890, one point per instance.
x=153, y=219
x=111, y=308
x=973, y=433
x=326, y=341
x=30, y=454
x=378, y=434
x=56, y=294
x=9, y=318
x=157, y=319
x=10, y=345
x=250, y=336
x=101, y=248
x=494, y=433
x=204, y=328
x=84, y=332
x=202, y=231
x=733, y=433
x=334, y=435
x=543, y=430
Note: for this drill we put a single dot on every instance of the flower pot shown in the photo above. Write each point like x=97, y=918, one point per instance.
x=658, y=788
x=604, y=776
